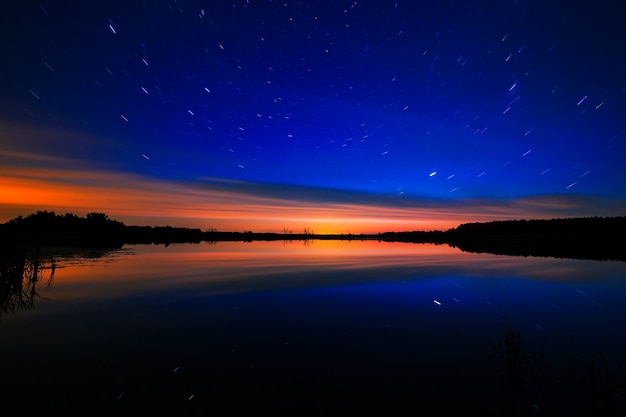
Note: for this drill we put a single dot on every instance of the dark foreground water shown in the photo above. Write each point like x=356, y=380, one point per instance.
x=324, y=328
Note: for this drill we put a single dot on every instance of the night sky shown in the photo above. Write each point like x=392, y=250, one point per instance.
x=341, y=116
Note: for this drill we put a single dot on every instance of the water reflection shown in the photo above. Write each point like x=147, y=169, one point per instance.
x=227, y=267
x=233, y=267
x=323, y=328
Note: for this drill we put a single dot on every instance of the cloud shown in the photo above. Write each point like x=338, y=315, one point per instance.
x=32, y=181
x=228, y=205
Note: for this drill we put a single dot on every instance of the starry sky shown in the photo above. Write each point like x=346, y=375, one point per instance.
x=339, y=116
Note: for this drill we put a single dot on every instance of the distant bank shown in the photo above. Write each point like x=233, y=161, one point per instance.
x=598, y=238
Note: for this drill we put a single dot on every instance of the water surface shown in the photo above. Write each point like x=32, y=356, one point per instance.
x=318, y=328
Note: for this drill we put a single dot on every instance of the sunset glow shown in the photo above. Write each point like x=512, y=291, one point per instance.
x=136, y=199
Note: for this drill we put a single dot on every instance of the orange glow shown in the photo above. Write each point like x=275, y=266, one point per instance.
x=138, y=200
x=30, y=182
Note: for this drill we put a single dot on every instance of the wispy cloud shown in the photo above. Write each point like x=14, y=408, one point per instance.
x=263, y=207
x=31, y=181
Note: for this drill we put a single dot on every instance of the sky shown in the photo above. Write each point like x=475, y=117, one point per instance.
x=335, y=116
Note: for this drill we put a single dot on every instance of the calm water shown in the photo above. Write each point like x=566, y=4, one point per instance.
x=324, y=328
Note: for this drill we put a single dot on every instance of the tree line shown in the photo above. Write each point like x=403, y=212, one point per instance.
x=580, y=237
x=95, y=229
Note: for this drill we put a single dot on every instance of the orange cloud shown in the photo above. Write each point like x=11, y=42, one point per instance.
x=141, y=200
x=42, y=181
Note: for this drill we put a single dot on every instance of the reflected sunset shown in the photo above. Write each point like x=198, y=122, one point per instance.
x=156, y=324
x=226, y=267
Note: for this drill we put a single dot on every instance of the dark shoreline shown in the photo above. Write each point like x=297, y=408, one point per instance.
x=593, y=238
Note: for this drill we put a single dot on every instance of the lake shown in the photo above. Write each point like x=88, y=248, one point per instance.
x=314, y=328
